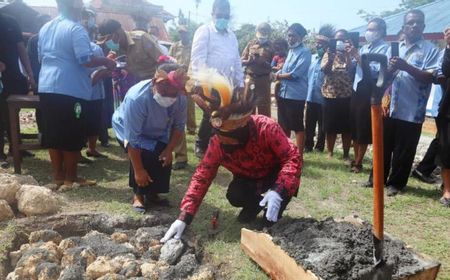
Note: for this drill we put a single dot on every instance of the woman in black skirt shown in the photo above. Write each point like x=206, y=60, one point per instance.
x=337, y=90
x=360, y=119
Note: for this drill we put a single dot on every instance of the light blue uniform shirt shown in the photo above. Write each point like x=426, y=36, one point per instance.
x=315, y=81
x=409, y=96
x=98, y=91
x=436, y=93
x=297, y=64
x=379, y=47
x=141, y=122
x=63, y=48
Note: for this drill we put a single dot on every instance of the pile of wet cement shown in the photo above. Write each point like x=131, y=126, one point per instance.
x=338, y=251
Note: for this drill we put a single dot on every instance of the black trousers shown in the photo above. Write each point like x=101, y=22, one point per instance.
x=400, y=143
x=4, y=122
x=313, y=119
x=204, y=132
x=246, y=193
x=428, y=163
x=107, y=111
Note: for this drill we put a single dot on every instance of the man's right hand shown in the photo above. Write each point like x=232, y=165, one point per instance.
x=110, y=64
x=142, y=178
x=175, y=231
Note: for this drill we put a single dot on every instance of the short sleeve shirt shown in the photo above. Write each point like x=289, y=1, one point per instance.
x=181, y=53
x=63, y=48
x=315, y=81
x=98, y=91
x=264, y=52
x=410, y=96
x=141, y=122
x=338, y=83
x=143, y=53
x=297, y=65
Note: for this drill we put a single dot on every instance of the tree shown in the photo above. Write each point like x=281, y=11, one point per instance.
x=404, y=6
x=244, y=34
x=173, y=30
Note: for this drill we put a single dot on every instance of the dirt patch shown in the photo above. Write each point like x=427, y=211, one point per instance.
x=339, y=250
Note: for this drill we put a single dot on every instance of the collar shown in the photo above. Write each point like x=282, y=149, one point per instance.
x=419, y=43
x=376, y=44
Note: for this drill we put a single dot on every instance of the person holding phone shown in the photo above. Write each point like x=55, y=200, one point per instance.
x=443, y=124
x=360, y=102
x=412, y=74
x=337, y=66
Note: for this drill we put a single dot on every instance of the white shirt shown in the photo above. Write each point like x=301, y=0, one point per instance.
x=220, y=51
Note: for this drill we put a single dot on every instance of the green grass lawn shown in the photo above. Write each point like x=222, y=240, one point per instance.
x=327, y=189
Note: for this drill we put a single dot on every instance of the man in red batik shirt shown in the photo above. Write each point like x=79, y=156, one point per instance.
x=256, y=151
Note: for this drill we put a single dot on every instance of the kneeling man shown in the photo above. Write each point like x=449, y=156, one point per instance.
x=149, y=124
x=254, y=149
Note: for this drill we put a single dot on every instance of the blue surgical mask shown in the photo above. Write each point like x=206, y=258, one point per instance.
x=221, y=24
x=320, y=52
x=110, y=44
x=340, y=45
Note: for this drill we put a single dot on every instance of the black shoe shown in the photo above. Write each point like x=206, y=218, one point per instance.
x=4, y=164
x=105, y=144
x=368, y=184
x=85, y=160
x=180, y=165
x=155, y=200
x=422, y=177
x=199, y=152
x=248, y=215
x=392, y=191
x=445, y=202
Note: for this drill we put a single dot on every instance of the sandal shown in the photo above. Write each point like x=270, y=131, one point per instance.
x=357, y=168
x=137, y=205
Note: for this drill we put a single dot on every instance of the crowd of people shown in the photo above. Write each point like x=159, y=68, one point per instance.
x=82, y=71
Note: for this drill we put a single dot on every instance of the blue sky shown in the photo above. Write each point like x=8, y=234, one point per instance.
x=311, y=13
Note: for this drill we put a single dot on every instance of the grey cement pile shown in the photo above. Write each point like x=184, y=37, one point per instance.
x=339, y=251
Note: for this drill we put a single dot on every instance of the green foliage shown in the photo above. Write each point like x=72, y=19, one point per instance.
x=173, y=30
x=244, y=34
x=404, y=5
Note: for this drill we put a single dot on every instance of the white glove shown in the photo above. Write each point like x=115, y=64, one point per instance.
x=273, y=202
x=175, y=231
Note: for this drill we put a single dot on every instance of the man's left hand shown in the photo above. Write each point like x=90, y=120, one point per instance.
x=166, y=157
x=32, y=83
x=273, y=202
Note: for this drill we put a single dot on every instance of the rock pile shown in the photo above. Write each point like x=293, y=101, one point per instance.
x=126, y=253
x=23, y=193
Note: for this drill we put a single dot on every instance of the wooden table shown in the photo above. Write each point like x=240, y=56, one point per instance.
x=15, y=104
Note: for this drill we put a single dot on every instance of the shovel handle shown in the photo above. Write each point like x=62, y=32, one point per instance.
x=378, y=171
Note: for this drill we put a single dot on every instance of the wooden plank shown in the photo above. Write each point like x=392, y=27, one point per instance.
x=271, y=258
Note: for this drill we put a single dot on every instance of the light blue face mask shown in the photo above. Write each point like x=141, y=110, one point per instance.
x=110, y=44
x=221, y=24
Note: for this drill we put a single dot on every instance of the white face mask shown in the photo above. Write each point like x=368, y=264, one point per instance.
x=340, y=45
x=164, y=101
x=372, y=36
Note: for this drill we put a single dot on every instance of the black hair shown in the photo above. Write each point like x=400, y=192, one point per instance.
x=109, y=27
x=381, y=25
x=282, y=43
x=345, y=32
x=414, y=12
x=219, y=4
x=327, y=30
x=169, y=67
x=298, y=29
